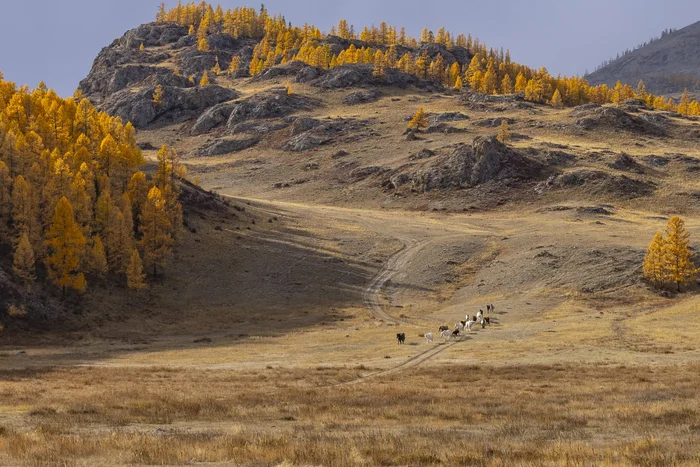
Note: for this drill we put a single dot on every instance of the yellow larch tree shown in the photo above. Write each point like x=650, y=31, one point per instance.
x=205, y=79
x=507, y=85
x=98, y=258
x=678, y=261
x=23, y=263
x=503, y=132
x=203, y=45
x=556, y=100
x=654, y=270
x=135, y=278
x=158, y=96
x=65, y=243
x=235, y=65
x=156, y=231
x=419, y=120
x=520, y=82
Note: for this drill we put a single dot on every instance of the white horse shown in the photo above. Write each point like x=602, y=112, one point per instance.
x=429, y=338
x=446, y=334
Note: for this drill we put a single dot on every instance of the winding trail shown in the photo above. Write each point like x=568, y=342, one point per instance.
x=388, y=271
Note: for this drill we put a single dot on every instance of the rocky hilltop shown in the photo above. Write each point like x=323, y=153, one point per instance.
x=666, y=65
x=124, y=75
x=339, y=135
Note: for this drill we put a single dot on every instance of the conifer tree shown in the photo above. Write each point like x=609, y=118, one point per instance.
x=678, y=261
x=135, y=278
x=642, y=91
x=503, y=132
x=158, y=96
x=520, y=82
x=65, y=243
x=217, y=68
x=191, y=30
x=23, y=263
x=141, y=47
x=205, y=79
x=98, y=257
x=156, y=231
x=557, y=100
x=378, y=67
x=419, y=120
x=654, y=269
x=203, y=45
x=458, y=82
x=235, y=65
x=684, y=104
x=507, y=85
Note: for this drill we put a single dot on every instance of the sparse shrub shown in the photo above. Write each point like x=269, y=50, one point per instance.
x=504, y=134
x=15, y=311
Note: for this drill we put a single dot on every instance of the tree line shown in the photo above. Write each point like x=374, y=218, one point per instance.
x=73, y=207
x=669, y=258
x=491, y=71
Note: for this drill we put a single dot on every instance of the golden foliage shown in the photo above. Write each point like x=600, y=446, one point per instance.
x=669, y=258
x=65, y=243
x=419, y=120
x=135, y=277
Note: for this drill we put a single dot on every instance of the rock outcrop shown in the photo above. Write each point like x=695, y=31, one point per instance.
x=178, y=104
x=486, y=160
x=269, y=104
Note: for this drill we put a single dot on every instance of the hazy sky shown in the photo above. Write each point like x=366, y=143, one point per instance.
x=56, y=41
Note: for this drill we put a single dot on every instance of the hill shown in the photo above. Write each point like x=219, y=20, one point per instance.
x=667, y=65
x=318, y=226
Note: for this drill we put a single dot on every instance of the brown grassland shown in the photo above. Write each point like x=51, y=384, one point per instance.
x=262, y=344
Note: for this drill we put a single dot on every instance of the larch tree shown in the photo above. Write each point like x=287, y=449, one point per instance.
x=507, y=85
x=23, y=263
x=520, y=82
x=203, y=45
x=158, y=96
x=156, y=231
x=135, y=278
x=65, y=243
x=503, y=132
x=235, y=65
x=98, y=258
x=205, y=79
x=556, y=100
x=654, y=270
x=678, y=261
x=419, y=120
x=458, y=82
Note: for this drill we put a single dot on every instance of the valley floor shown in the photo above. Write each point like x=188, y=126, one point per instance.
x=298, y=364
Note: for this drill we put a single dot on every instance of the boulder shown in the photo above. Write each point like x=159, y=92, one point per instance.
x=302, y=125
x=486, y=160
x=598, y=183
x=227, y=146
x=269, y=104
x=304, y=142
x=617, y=119
x=447, y=117
x=212, y=118
x=494, y=122
x=355, y=75
x=363, y=172
x=363, y=97
x=178, y=104
x=258, y=128
x=422, y=154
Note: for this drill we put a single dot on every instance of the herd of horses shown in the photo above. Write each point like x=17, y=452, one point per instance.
x=446, y=333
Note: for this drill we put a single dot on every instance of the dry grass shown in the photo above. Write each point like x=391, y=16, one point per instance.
x=457, y=415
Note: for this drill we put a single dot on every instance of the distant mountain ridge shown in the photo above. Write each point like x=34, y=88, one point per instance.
x=667, y=65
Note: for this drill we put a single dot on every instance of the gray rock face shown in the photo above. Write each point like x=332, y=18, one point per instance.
x=486, y=160
x=422, y=154
x=447, y=117
x=301, y=72
x=178, y=104
x=493, y=122
x=479, y=98
x=304, y=142
x=227, y=146
x=618, y=119
x=599, y=183
x=269, y=104
x=212, y=118
x=363, y=172
x=362, y=97
x=121, y=63
x=347, y=76
x=258, y=128
x=303, y=124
